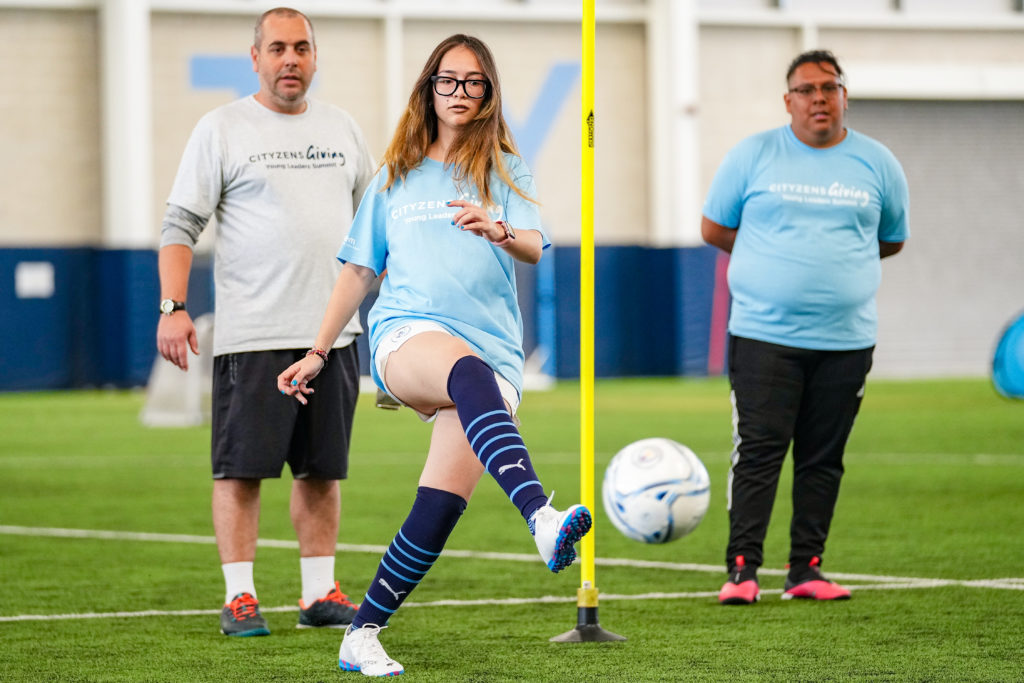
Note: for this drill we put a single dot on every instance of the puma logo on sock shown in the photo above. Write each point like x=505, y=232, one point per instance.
x=504, y=468
x=390, y=589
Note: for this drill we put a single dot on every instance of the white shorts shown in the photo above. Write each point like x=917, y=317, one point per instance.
x=404, y=333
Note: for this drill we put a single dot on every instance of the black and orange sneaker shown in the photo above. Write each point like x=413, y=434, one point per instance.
x=241, y=617
x=742, y=587
x=806, y=581
x=334, y=610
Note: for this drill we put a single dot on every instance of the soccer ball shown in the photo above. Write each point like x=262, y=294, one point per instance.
x=656, y=490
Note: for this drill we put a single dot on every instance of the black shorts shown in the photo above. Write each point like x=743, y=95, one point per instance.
x=256, y=429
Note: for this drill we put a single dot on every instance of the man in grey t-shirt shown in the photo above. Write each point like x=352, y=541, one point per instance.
x=283, y=174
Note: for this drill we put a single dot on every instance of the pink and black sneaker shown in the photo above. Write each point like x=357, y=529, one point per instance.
x=741, y=588
x=808, y=583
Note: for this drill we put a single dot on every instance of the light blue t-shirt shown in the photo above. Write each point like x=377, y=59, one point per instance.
x=435, y=271
x=805, y=266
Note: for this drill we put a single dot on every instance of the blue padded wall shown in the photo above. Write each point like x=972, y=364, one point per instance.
x=45, y=342
x=652, y=309
x=97, y=328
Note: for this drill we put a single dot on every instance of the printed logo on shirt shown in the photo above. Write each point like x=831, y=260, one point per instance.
x=314, y=156
x=835, y=194
x=438, y=209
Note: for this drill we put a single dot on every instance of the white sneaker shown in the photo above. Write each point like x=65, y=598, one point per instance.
x=556, y=533
x=361, y=651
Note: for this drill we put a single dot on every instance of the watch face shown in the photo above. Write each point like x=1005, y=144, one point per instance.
x=167, y=306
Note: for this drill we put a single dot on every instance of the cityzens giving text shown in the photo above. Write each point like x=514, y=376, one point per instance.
x=312, y=153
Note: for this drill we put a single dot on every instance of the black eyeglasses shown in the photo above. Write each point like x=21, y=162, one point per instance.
x=475, y=88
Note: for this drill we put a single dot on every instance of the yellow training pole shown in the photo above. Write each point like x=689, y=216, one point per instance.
x=587, y=294
x=587, y=628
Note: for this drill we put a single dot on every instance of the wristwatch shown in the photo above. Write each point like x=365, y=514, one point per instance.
x=168, y=306
x=510, y=233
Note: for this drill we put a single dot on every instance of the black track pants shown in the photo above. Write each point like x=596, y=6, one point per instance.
x=784, y=395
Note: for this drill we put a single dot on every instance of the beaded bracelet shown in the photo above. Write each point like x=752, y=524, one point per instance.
x=316, y=351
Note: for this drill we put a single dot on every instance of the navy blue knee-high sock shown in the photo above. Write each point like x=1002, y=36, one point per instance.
x=411, y=554
x=492, y=434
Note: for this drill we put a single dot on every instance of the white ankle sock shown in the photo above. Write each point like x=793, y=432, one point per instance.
x=317, y=577
x=238, y=579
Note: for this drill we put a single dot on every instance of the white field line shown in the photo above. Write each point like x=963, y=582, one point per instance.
x=546, y=599
x=875, y=582
x=469, y=554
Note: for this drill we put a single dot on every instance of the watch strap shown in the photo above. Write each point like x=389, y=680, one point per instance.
x=168, y=306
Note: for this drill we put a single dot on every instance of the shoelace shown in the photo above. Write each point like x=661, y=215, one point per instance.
x=337, y=596
x=370, y=649
x=741, y=562
x=532, y=522
x=815, y=569
x=243, y=607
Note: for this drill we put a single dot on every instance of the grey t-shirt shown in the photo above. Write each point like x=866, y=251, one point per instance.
x=283, y=189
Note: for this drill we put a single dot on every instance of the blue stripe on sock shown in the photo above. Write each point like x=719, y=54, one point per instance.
x=506, y=435
x=519, y=488
x=493, y=412
x=385, y=565
x=379, y=606
x=416, y=547
x=428, y=565
x=401, y=564
x=502, y=450
x=495, y=425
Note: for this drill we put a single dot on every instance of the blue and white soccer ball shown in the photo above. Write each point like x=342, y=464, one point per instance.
x=656, y=490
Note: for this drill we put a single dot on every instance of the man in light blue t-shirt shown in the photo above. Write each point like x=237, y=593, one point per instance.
x=806, y=211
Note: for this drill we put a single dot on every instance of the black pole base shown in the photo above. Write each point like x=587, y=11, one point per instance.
x=587, y=630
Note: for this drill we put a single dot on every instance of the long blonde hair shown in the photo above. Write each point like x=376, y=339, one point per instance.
x=479, y=147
